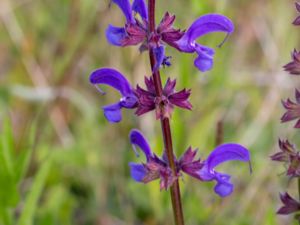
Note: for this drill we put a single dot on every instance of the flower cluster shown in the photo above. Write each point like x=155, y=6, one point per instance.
x=203, y=170
x=288, y=153
x=136, y=31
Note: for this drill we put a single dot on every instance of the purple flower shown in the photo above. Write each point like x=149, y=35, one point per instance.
x=293, y=110
x=154, y=168
x=205, y=170
x=116, y=80
x=134, y=31
x=290, y=205
x=163, y=105
x=158, y=168
x=293, y=67
x=203, y=25
x=297, y=20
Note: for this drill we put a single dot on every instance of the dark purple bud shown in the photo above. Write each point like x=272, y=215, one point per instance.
x=293, y=67
x=293, y=110
x=290, y=205
x=297, y=20
x=287, y=150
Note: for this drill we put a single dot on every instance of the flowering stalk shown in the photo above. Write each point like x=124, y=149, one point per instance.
x=140, y=29
x=165, y=125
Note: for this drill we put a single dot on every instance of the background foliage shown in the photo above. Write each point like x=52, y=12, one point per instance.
x=62, y=163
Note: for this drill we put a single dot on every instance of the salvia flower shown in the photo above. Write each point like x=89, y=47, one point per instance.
x=203, y=25
x=293, y=67
x=290, y=205
x=154, y=168
x=293, y=110
x=116, y=80
x=163, y=105
x=290, y=156
x=158, y=168
x=135, y=31
x=297, y=20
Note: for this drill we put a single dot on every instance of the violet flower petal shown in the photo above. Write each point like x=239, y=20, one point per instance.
x=227, y=152
x=203, y=25
x=113, y=112
x=126, y=9
x=115, y=35
x=137, y=139
x=159, y=53
x=204, y=61
x=140, y=7
x=137, y=171
x=223, y=187
x=112, y=78
x=223, y=153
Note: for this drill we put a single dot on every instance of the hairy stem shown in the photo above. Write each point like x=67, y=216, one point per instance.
x=165, y=125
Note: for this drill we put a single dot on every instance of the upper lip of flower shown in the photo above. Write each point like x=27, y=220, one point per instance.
x=116, y=80
x=202, y=170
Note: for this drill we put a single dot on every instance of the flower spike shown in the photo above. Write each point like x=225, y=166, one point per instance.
x=116, y=80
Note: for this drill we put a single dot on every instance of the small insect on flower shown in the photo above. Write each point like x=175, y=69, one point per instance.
x=158, y=168
x=293, y=110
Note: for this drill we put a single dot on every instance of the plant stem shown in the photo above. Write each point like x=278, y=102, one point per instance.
x=299, y=194
x=165, y=125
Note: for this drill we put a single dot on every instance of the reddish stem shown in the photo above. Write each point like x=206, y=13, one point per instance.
x=165, y=125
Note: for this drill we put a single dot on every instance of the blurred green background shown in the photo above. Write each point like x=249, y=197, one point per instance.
x=61, y=162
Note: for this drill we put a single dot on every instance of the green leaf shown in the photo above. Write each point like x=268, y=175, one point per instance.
x=33, y=196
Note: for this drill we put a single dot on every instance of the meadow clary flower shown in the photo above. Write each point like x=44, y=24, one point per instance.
x=293, y=110
x=134, y=31
x=154, y=168
x=205, y=170
x=158, y=168
x=203, y=25
x=116, y=80
x=163, y=105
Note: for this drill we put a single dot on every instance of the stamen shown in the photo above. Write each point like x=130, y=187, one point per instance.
x=225, y=39
x=99, y=89
x=135, y=151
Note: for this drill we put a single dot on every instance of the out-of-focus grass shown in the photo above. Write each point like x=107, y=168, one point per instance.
x=64, y=164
